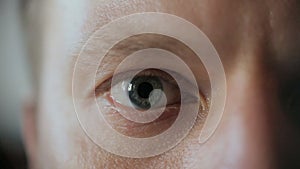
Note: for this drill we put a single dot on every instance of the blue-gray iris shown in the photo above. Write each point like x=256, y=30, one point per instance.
x=140, y=91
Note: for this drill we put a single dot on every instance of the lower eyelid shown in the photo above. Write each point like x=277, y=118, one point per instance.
x=133, y=129
x=169, y=113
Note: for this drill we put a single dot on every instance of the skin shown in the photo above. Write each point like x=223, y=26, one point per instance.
x=258, y=44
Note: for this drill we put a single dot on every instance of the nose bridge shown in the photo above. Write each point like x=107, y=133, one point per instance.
x=250, y=116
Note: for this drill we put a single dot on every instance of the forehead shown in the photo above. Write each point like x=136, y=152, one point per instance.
x=238, y=29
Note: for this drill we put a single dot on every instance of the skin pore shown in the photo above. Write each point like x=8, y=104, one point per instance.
x=257, y=42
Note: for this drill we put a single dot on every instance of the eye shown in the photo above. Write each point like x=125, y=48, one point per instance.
x=145, y=90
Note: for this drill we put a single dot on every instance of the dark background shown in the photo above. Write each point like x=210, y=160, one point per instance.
x=14, y=84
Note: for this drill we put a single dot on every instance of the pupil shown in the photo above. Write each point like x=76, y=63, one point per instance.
x=144, y=90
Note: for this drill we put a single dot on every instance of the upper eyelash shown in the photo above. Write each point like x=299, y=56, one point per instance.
x=105, y=85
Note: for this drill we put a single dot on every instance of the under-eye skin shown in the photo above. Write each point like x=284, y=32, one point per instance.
x=130, y=99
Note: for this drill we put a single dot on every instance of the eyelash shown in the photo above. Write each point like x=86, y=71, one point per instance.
x=106, y=84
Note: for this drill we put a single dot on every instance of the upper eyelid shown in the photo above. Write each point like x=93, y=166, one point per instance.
x=106, y=84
